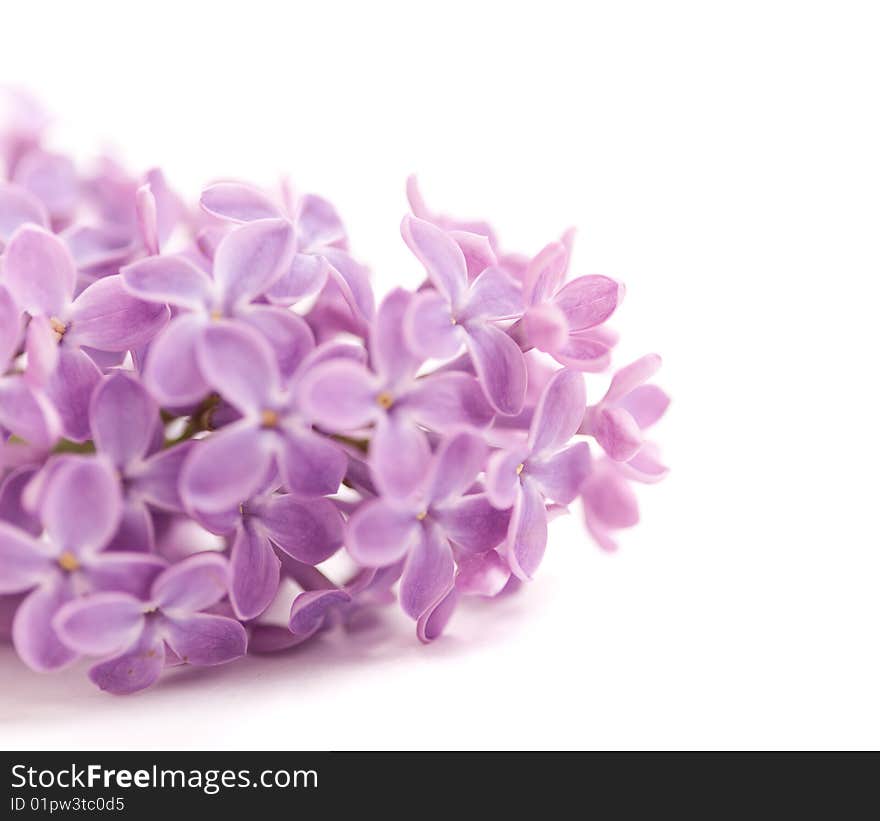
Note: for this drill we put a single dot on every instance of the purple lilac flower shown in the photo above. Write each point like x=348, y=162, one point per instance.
x=134, y=630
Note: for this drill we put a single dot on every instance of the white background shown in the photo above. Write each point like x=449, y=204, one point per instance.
x=723, y=160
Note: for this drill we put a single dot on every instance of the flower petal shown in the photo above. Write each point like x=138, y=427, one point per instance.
x=433, y=621
x=289, y=335
x=12, y=508
x=101, y=623
x=456, y=465
x=446, y=400
x=342, y=394
x=545, y=273
x=310, y=464
x=631, y=376
x=646, y=404
x=310, y=531
x=17, y=207
x=137, y=668
x=39, y=271
x=318, y=224
x=227, y=468
x=309, y=610
x=255, y=572
x=172, y=372
x=528, y=532
x=204, y=639
x=609, y=498
x=32, y=633
x=493, y=294
x=353, y=281
x=239, y=363
x=500, y=366
x=428, y=574
x=588, y=301
x=23, y=562
x=545, y=327
x=482, y=574
x=237, y=202
x=502, y=475
x=250, y=258
x=171, y=280
x=390, y=356
x=123, y=571
x=28, y=413
x=70, y=388
x=559, y=413
x=399, y=456
x=123, y=419
x=477, y=249
x=380, y=534
x=584, y=351
x=192, y=584
x=562, y=475
x=157, y=480
x=136, y=531
x=305, y=277
x=617, y=432
x=429, y=328
x=440, y=254
x=105, y=316
x=11, y=326
x=473, y=523
x=81, y=505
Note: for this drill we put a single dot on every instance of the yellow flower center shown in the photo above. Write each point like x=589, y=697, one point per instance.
x=58, y=328
x=519, y=468
x=68, y=562
x=216, y=314
x=385, y=400
x=269, y=419
x=421, y=516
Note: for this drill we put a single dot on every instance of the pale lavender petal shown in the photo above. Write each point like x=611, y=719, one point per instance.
x=457, y=463
x=305, y=277
x=399, y=456
x=11, y=326
x=227, y=468
x=171, y=280
x=584, y=352
x=528, y=532
x=545, y=273
x=204, y=639
x=309, y=610
x=500, y=366
x=27, y=413
x=502, y=475
x=646, y=404
x=123, y=419
x=135, y=531
x=32, y=634
x=390, y=356
x=353, y=280
x=610, y=499
x=41, y=346
x=442, y=401
x=630, y=377
x=82, y=505
x=562, y=475
x=98, y=249
x=148, y=218
x=559, y=413
x=101, y=623
x=18, y=207
x=23, y=561
x=255, y=572
x=440, y=254
x=493, y=294
x=428, y=574
x=477, y=250
x=239, y=363
x=429, y=328
x=172, y=372
x=105, y=316
x=588, y=301
x=318, y=224
x=12, y=508
x=241, y=203
x=545, y=327
x=482, y=574
x=310, y=464
x=380, y=534
x=39, y=271
x=52, y=178
x=135, y=669
x=70, y=388
x=250, y=258
x=617, y=432
x=646, y=466
x=192, y=584
x=289, y=335
x=342, y=394
x=473, y=523
x=310, y=531
x=434, y=620
x=157, y=480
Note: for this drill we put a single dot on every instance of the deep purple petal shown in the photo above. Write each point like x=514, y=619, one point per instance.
x=101, y=623
x=172, y=280
x=309, y=610
x=192, y=584
x=39, y=271
x=473, y=523
x=500, y=366
x=528, y=531
x=440, y=254
x=250, y=258
x=428, y=574
x=379, y=534
x=32, y=633
x=203, y=639
x=559, y=413
x=123, y=419
x=227, y=468
x=310, y=531
x=255, y=572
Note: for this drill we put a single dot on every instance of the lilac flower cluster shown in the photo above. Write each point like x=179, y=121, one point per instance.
x=200, y=406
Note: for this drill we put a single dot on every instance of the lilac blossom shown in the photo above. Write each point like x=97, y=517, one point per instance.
x=134, y=630
x=213, y=443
